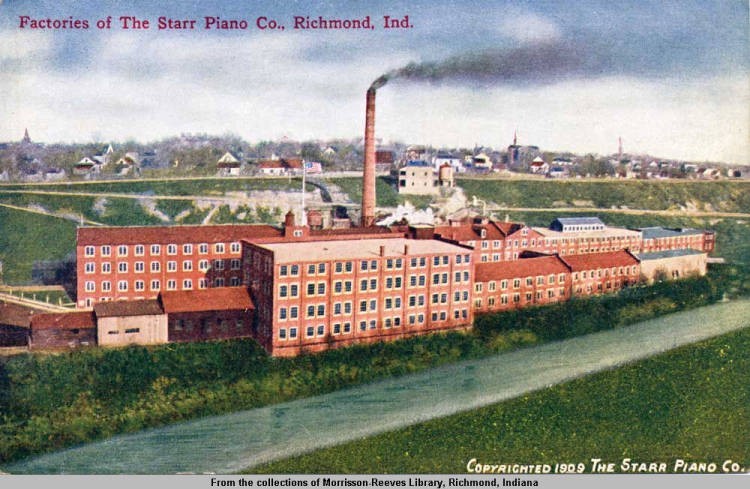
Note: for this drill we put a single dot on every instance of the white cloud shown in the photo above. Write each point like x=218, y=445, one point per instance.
x=527, y=27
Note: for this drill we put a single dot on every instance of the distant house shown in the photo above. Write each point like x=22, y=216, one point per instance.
x=228, y=165
x=443, y=157
x=384, y=160
x=558, y=172
x=481, y=162
x=85, y=166
x=538, y=166
x=281, y=166
x=418, y=178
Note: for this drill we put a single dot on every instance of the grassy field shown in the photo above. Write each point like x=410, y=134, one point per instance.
x=692, y=403
x=728, y=196
x=198, y=186
x=26, y=238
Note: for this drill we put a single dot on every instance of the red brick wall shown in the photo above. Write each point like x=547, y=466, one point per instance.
x=209, y=325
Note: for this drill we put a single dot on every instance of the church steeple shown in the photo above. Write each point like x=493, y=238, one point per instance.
x=26, y=139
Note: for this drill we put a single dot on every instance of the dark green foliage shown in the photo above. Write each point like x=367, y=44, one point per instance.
x=692, y=403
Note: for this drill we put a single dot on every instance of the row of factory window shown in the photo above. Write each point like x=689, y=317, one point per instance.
x=206, y=325
x=155, y=249
x=540, y=280
x=606, y=272
x=369, y=265
x=155, y=266
x=371, y=305
x=319, y=331
x=155, y=285
x=516, y=298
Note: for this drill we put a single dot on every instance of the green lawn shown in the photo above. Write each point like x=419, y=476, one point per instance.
x=26, y=238
x=729, y=196
x=692, y=403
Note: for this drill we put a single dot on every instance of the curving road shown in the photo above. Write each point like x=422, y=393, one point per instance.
x=229, y=443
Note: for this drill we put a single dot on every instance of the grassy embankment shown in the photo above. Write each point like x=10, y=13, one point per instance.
x=49, y=402
x=692, y=403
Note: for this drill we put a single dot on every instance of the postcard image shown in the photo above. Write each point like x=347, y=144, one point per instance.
x=488, y=242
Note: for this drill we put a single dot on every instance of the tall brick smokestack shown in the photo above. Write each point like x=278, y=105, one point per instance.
x=368, y=183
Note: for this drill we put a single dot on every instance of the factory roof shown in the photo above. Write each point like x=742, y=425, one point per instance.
x=607, y=259
x=216, y=299
x=358, y=249
x=173, y=234
x=607, y=232
x=147, y=307
x=658, y=255
x=526, y=267
x=659, y=232
x=64, y=320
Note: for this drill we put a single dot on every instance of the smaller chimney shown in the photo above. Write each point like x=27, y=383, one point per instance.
x=406, y=249
x=289, y=221
x=382, y=250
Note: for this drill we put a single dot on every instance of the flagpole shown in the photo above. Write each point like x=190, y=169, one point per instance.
x=303, y=219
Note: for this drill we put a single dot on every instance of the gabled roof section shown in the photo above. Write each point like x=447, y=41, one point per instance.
x=608, y=259
x=147, y=307
x=526, y=267
x=216, y=299
x=64, y=320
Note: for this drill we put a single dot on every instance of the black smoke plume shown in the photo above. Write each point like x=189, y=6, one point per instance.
x=539, y=63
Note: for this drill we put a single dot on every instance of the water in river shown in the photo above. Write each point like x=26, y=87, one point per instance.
x=229, y=443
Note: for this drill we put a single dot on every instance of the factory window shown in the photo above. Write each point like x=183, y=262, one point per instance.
x=389, y=264
x=219, y=264
x=420, y=300
x=337, y=309
x=219, y=248
x=294, y=271
x=422, y=280
x=363, y=285
x=503, y=299
x=338, y=267
x=155, y=266
x=187, y=249
x=490, y=302
x=529, y=281
x=311, y=269
x=435, y=316
x=363, y=265
x=203, y=248
x=516, y=283
x=234, y=264
x=171, y=284
x=348, y=267
x=443, y=298
x=203, y=265
x=373, y=324
x=347, y=307
x=187, y=284
x=373, y=304
x=106, y=250
x=412, y=280
x=389, y=283
x=282, y=334
x=398, y=283
x=187, y=266
x=122, y=285
x=310, y=311
x=387, y=323
x=132, y=330
x=396, y=322
x=457, y=277
x=435, y=261
x=337, y=328
x=458, y=259
x=363, y=325
x=293, y=290
x=139, y=267
x=347, y=328
x=435, y=298
x=310, y=288
x=516, y=298
x=155, y=285
x=140, y=285
x=293, y=312
x=457, y=296
x=219, y=282
x=338, y=287
x=90, y=267
x=283, y=290
x=435, y=278
x=202, y=283
x=292, y=333
x=466, y=295
x=491, y=286
x=540, y=280
x=89, y=251
x=321, y=310
x=423, y=262
x=397, y=303
x=444, y=278
x=234, y=247
x=373, y=265
x=310, y=331
x=321, y=288
x=171, y=266
x=362, y=306
x=478, y=287
x=122, y=267
x=122, y=250
x=412, y=319
x=90, y=287
x=283, y=270
x=561, y=278
x=321, y=330
x=234, y=281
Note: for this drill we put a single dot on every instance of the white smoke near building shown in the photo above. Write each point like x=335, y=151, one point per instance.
x=407, y=212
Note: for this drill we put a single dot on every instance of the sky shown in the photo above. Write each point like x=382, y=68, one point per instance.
x=669, y=77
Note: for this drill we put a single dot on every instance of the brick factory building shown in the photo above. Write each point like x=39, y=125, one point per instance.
x=597, y=273
x=313, y=295
x=66, y=330
x=521, y=283
x=128, y=263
